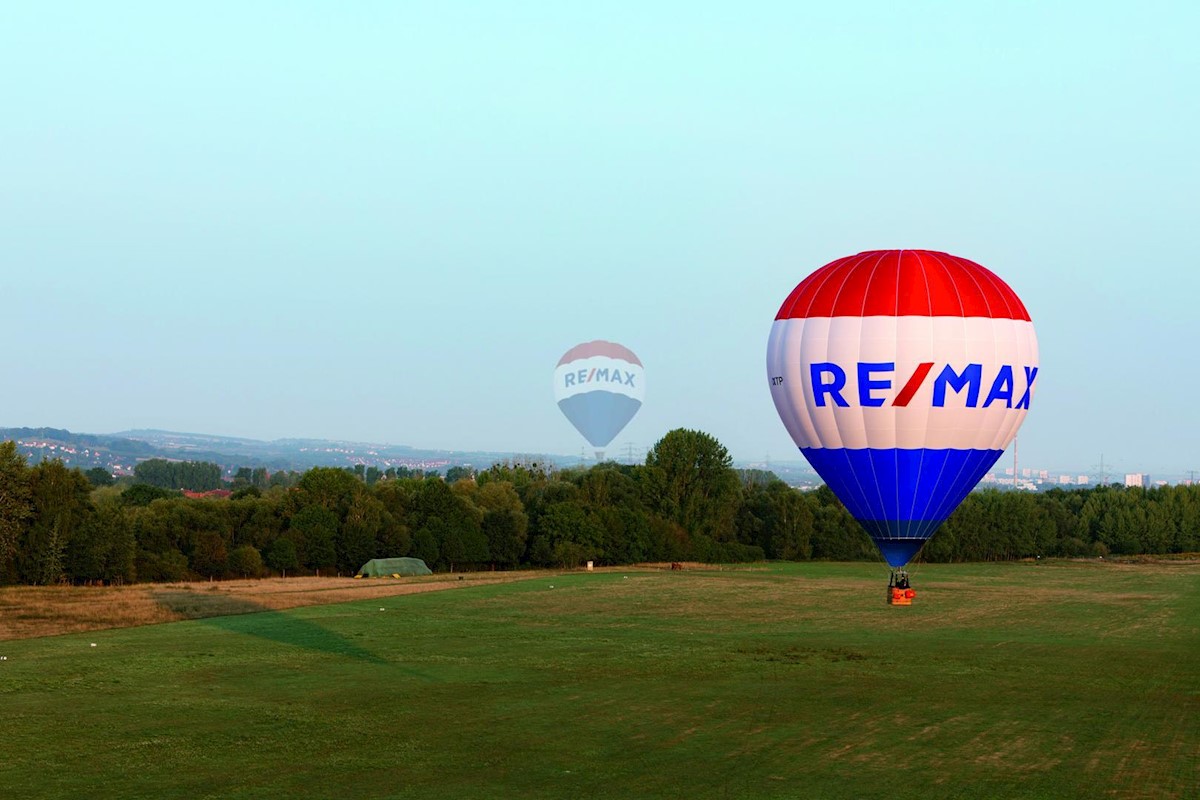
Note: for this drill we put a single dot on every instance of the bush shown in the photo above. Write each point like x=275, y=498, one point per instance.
x=246, y=561
x=165, y=567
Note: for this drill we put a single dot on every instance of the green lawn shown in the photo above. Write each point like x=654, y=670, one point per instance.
x=1001, y=681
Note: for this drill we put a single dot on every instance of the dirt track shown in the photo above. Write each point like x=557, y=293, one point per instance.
x=30, y=611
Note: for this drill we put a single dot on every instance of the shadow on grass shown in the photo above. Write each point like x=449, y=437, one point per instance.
x=238, y=615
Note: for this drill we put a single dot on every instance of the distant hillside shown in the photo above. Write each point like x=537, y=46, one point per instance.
x=120, y=452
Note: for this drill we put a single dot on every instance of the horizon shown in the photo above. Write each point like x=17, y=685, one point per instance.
x=1000, y=476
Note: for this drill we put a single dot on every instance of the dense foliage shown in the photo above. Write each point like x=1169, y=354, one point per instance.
x=685, y=503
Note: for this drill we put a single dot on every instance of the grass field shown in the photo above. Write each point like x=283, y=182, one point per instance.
x=1058, y=679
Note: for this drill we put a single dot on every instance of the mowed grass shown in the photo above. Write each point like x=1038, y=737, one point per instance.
x=1003, y=681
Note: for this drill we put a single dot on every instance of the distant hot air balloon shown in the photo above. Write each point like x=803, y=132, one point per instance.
x=599, y=386
x=902, y=375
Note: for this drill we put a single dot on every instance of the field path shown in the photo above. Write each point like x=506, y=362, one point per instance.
x=28, y=612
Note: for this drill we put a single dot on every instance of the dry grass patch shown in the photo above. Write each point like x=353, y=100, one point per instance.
x=28, y=612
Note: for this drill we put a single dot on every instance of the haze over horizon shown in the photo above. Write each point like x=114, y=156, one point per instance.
x=386, y=224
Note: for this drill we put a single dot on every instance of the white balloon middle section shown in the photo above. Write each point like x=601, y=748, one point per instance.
x=959, y=383
x=599, y=373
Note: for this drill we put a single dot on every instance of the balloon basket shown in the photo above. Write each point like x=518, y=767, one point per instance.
x=899, y=591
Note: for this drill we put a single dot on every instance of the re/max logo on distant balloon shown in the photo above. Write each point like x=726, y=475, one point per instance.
x=598, y=375
x=875, y=379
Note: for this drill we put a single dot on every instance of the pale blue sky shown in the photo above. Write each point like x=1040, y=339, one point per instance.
x=387, y=223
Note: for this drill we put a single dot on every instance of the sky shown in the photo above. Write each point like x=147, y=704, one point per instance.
x=386, y=221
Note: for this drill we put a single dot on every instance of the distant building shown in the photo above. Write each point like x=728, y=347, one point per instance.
x=1044, y=475
x=1084, y=480
x=1064, y=480
x=1135, y=479
x=217, y=493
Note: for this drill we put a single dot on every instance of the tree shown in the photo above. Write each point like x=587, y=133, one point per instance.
x=452, y=520
x=837, y=536
x=246, y=561
x=505, y=524
x=425, y=546
x=611, y=496
x=195, y=476
x=242, y=478
x=356, y=540
x=317, y=527
x=331, y=488
x=393, y=538
x=260, y=478
x=143, y=494
x=526, y=478
x=505, y=536
x=246, y=490
x=453, y=548
x=15, y=505
x=690, y=480
x=574, y=535
x=281, y=556
x=209, y=555
x=264, y=522
x=103, y=548
x=61, y=503
x=158, y=538
x=398, y=497
x=777, y=518
x=99, y=476
x=459, y=473
x=169, y=566
x=283, y=479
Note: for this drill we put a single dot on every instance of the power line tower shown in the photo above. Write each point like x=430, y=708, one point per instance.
x=1014, y=463
x=1103, y=481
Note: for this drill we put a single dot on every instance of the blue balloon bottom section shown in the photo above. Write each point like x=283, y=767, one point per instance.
x=599, y=415
x=901, y=496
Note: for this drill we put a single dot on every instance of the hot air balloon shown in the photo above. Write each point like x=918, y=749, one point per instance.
x=902, y=375
x=599, y=386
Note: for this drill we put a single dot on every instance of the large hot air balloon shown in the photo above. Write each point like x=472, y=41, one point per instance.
x=599, y=386
x=902, y=375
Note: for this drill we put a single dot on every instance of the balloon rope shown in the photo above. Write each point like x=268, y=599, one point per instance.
x=918, y=562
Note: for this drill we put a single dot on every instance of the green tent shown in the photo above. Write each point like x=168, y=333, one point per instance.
x=386, y=567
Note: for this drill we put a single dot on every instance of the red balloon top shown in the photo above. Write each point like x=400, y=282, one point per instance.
x=599, y=347
x=903, y=283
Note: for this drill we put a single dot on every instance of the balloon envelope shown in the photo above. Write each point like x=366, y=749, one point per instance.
x=599, y=386
x=902, y=375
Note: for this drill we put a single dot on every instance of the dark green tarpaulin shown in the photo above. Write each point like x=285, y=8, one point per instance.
x=387, y=567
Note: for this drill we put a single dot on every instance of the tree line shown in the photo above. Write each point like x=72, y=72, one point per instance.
x=685, y=503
